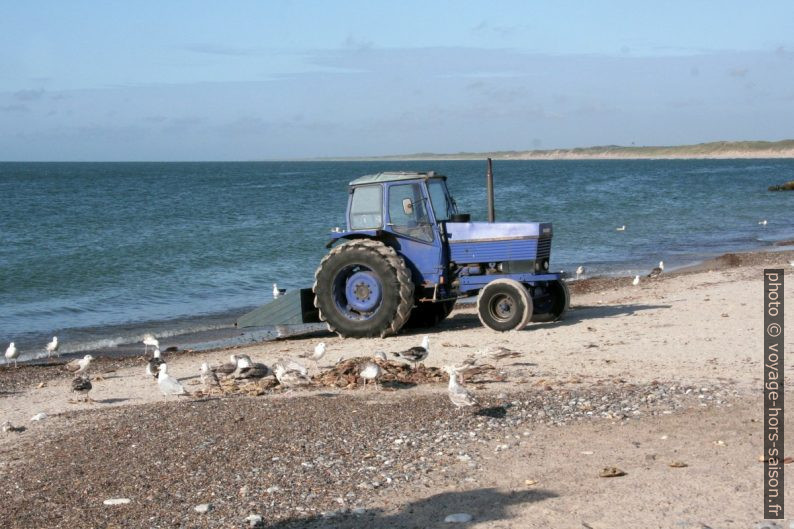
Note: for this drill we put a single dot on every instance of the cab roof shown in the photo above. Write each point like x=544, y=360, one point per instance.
x=392, y=176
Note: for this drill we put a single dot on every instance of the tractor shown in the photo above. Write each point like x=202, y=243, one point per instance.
x=407, y=255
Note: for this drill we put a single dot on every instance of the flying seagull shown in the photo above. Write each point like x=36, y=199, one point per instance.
x=153, y=366
x=622, y=228
x=149, y=339
x=52, y=347
x=417, y=353
x=656, y=272
x=168, y=384
x=763, y=222
x=458, y=394
x=636, y=281
x=12, y=353
x=82, y=384
x=79, y=366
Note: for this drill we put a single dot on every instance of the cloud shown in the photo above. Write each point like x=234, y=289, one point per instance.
x=215, y=49
x=500, y=30
x=353, y=43
x=15, y=108
x=29, y=95
x=738, y=72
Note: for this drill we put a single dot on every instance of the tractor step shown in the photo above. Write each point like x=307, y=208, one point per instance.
x=293, y=308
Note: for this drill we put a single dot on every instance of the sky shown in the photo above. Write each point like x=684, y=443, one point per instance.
x=262, y=80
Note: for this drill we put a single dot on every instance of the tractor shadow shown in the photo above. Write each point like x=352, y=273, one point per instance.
x=578, y=314
x=484, y=505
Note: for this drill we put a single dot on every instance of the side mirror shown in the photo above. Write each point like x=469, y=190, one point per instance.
x=408, y=206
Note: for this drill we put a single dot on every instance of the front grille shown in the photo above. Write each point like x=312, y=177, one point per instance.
x=544, y=248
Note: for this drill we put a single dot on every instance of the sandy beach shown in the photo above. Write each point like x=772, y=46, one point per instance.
x=661, y=380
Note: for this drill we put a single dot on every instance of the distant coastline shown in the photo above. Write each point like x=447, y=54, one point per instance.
x=711, y=151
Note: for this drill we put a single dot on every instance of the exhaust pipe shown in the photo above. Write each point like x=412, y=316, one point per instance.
x=489, y=192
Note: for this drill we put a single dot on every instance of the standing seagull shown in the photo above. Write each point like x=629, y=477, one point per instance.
x=459, y=395
x=370, y=371
x=52, y=347
x=227, y=368
x=12, y=353
x=82, y=384
x=208, y=379
x=319, y=352
x=278, y=292
x=153, y=366
x=168, y=384
x=656, y=272
x=636, y=281
x=79, y=366
x=579, y=271
x=149, y=339
x=416, y=354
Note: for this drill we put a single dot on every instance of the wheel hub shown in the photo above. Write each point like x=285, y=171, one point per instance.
x=502, y=307
x=363, y=291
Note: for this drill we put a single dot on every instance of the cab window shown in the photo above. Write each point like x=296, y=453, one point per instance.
x=366, y=212
x=408, y=212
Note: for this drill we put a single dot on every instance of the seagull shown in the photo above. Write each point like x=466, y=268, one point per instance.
x=278, y=292
x=168, y=384
x=227, y=368
x=208, y=379
x=153, y=367
x=52, y=347
x=380, y=355
x=8, y=427
x=248, y=369
x=459, y=395
x=79, y=366
x=319, y=352
x=370, y=371
x=579, y=271
x=291, y=373
x=416, y=354
x=82, y=384
x=149, y=339
x=622, y=228
x=656, y=272
x=500, y=353
x=791, y=263
x=636, y=281
x=762, y=222
x=12, y=353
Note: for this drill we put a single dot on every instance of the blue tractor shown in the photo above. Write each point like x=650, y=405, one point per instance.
x=407, y=255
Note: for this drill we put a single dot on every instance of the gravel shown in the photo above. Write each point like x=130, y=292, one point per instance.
x=293, y=461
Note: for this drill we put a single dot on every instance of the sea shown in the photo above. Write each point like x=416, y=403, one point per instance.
x=100, y=254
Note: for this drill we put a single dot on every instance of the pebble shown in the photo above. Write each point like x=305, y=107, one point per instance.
x=254, y=520
x=203, y=508
x=117, y=501
x=460, y=517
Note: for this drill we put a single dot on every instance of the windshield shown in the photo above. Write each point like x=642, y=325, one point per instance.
x=443, y=204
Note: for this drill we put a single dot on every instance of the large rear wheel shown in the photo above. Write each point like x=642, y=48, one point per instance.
x=551, y=300
x=363, y=289
x=504, y=305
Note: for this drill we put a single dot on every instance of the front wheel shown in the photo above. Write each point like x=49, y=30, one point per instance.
x=551, y=300
x=363, y=289
x=504, y=305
